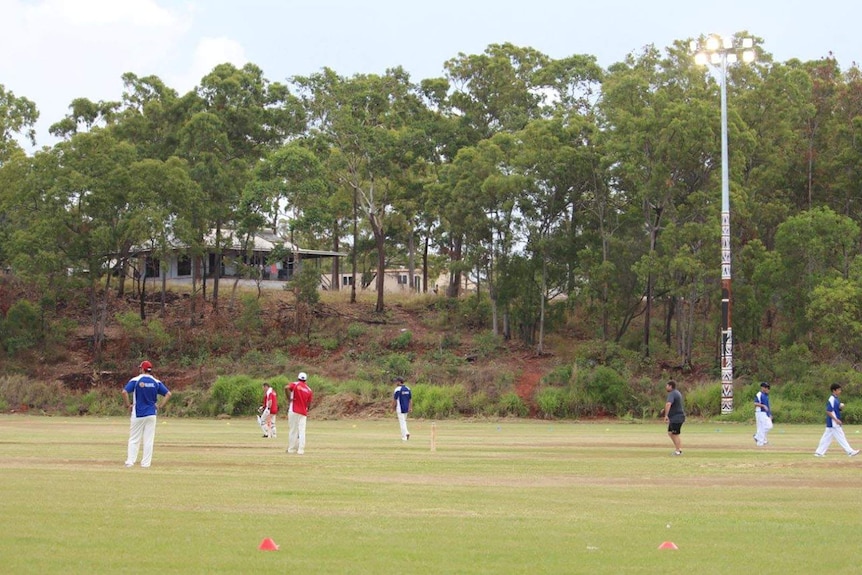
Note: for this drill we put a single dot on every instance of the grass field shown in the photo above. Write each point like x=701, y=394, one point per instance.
x=495, y=497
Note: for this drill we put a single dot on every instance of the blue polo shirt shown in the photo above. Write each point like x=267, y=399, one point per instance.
x=402, y=396
x=833, y=405
x=763, y=398
x=147, y=390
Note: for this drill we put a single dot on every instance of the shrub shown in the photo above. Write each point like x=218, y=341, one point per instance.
x=851, y=414
x=20, y=329
x=561, y=375
x=355, y=330
x=329, y=343
x=604, y=391
x=554, y=402
x=487, y=344
x=704, y=401
x=250, y=318
x=397, y=364
x=435, y=401
x=235, y=395
x=450, y=340
x=511, y=404
x=144, y=338
x=402, y=340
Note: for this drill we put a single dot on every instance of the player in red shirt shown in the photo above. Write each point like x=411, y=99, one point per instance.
x=300, y=401
x=268, y=411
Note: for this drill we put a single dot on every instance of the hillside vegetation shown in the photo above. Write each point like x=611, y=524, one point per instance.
x=441, y=346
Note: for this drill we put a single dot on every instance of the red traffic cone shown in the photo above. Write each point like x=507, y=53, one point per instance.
x=668, y=545
x=268, y=545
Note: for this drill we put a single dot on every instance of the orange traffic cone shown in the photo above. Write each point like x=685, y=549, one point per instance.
x=268, y=545
x=668, y=545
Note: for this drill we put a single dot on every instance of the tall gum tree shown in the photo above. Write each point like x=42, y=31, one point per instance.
x=238, y=117
x=367, y=121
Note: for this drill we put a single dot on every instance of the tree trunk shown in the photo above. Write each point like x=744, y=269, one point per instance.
x=336, y=263
x=455, y=276
x=217, y=266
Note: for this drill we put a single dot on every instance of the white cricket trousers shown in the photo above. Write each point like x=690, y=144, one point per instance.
x=402, y=421
x=835, y=432
x=141, y=428
x=764, y=424
x=266, y=420
x=296, y=432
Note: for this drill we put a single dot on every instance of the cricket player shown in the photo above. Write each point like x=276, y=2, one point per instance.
x=143, y=404
x=762, y=414
x=300, y=401
x=268, y=411
x=402, y=401
x=834, y=425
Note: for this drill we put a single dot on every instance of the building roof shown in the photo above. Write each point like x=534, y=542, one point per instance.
x=262, y=241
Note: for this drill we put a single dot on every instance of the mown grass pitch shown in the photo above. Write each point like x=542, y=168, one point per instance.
x=495, y=497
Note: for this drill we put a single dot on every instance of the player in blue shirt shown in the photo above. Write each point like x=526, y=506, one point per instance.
x=402, y=401
x=762, y=414
x=834, y=426
x=144, y=404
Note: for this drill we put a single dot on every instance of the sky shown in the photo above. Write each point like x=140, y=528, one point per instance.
x=53, y=51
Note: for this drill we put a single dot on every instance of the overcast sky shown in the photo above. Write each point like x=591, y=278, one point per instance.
x=52, y=51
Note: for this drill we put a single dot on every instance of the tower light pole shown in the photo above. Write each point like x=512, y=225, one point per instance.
x=717, y=52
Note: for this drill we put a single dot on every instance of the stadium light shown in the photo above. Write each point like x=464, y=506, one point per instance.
x=721, y=51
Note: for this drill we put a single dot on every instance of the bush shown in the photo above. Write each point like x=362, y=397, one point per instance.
x=487, y=344
x=604, y=391
x=20, y=329
x=435, y=401
x=402, y=340
x=705, y=401
x=397, y=364
x=355, y=330
x=250, y=320
x=235, y=395
x=555, y=402
x=144, y=338
x=450, y=340
x=561, y=375
x=511, y=404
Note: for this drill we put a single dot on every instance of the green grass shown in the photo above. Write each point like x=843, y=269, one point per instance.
x=495, y=497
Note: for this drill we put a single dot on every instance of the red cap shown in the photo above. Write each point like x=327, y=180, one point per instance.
x=146, y=365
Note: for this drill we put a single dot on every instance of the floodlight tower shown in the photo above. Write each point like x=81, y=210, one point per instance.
x=717, y=52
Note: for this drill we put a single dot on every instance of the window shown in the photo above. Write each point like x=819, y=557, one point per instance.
x=153, y=267
x=402, y=279
x=184, y=266
x=347, y=280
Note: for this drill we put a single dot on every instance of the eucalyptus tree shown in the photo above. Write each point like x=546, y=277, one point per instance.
x=369, y=124
x=814, y=247
x=482, y=201
x=662, y=135
x=844, y=163
x=79, y=207
x=772, y=99
x=237, y=116
x=18, y=115
x=556, y=159
x=493, y=92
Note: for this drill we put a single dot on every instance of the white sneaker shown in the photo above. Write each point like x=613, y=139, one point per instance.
x=130, y=465
x=819, y=455
x=854, y=452
x=677, y=452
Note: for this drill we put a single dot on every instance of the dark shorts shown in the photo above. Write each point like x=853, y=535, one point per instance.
x=674, y=428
